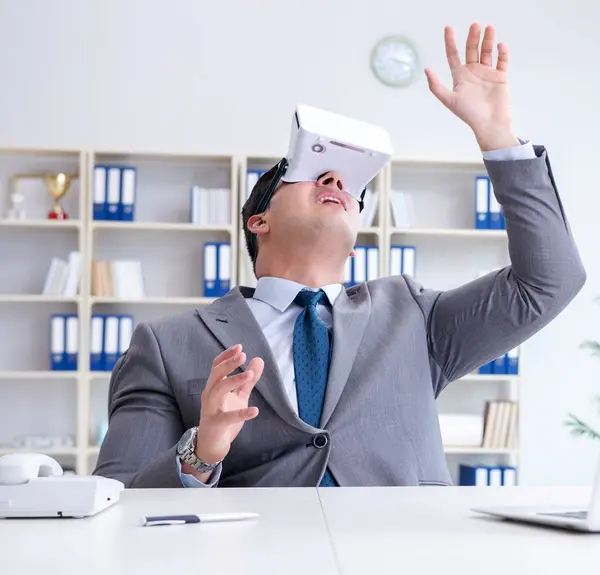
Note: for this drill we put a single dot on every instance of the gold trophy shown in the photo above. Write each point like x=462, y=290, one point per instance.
x=57, y=185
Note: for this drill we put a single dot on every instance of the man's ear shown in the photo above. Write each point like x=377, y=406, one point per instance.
x=258, y=225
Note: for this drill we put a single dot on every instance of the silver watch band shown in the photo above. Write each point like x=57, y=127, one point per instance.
x=186, y=451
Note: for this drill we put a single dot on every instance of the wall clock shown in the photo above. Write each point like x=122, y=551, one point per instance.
x=395, y=61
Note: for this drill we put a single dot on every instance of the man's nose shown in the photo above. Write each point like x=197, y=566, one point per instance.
x=331, y=179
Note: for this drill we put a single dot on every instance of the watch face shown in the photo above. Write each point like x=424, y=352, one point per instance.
x=394, y=61
x=185, y=443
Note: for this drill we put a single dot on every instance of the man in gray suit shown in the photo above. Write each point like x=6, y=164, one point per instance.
x=302, y=382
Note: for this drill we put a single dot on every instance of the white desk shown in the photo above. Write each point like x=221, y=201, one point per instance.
x=430, y=530
x=348, y=531
x=289, y=538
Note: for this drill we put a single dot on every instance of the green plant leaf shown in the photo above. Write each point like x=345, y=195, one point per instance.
x=580, y=428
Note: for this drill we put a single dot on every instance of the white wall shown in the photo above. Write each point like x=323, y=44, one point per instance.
x=224, y=77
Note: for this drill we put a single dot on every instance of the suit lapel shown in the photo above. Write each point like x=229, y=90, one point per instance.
x=350, y=316
x=231, y=321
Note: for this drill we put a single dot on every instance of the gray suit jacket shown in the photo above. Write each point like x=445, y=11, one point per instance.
x=396, y=345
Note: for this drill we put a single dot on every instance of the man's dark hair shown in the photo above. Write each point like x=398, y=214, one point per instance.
x=251, y=207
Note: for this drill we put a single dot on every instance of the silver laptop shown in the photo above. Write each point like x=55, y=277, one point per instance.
x=564, y=518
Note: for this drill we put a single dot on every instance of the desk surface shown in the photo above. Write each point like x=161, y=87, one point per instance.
x=306, y=531
x=290, y=537
x=432, y=530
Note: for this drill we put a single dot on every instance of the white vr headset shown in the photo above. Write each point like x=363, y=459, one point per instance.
x=322, y=142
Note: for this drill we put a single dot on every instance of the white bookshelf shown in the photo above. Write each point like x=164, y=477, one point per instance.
x=449, y=253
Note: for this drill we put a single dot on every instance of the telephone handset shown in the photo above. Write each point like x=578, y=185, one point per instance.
x=18, y=468
x=33, y=485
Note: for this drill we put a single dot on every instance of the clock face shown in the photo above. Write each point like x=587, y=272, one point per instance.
x=394, y=61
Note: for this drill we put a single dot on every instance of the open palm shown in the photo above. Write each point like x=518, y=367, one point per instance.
x=480, y=95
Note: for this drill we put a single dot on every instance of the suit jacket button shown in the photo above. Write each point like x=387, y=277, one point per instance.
x=320, y=441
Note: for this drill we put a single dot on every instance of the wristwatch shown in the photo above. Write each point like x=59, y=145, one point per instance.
x=186, y=451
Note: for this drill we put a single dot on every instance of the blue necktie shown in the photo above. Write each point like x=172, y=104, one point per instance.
x=311, y=348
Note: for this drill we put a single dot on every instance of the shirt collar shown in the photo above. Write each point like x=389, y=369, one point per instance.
x=279, y=293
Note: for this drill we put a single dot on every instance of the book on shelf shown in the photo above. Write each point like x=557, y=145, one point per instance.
x=63, y=277
x=488, y=212
x=64, y=342
x=114, y=192
x=110, y=336
x=507, y=364
x=487, y=475
x=210, y=206
x=252, y=177
x=122, y=279
x=363, y=266
x=403, y=209
x=461, y=429
x=500, y=424
x=217, y=268
x=403, y=260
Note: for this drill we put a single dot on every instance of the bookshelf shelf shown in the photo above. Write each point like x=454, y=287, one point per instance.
x=35, y=298
x=373, y=230
x=184, y=301
x=482, y=378
x=37, y=375
x=450, y=233
x=159, y=227
x=45, y=224
x=64, y=451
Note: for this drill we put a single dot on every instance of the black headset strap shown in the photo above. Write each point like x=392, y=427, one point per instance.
x=282, y=167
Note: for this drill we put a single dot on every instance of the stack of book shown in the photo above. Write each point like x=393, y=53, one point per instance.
x=119, y=278
x=64, y=342
x=403, y=209
x=114, y=192
x=508, y=364
x=487, y=475
x=217, y=268
x=403, y=260
x=109, y=339
x=63, y=277
x=488, y=212
x=500, y=424
x=364, y=266
x=210, y=206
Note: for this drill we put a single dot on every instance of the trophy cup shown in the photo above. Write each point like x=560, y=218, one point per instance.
x=58, y=185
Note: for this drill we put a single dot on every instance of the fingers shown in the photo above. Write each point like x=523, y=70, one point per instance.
x=472, y=48
x=225, y=367
x=451, y=50
x=228, y=384
x=502, y=64
x=229, y=352
x=239, y=416
x=256, y=366
x=438, y=89
x=487, y=46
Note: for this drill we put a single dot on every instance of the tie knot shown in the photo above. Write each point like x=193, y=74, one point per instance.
x=306, y=298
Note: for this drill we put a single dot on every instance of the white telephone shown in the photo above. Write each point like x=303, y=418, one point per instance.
x=33, y=485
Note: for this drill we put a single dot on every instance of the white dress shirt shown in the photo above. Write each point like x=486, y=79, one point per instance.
x=275, y=312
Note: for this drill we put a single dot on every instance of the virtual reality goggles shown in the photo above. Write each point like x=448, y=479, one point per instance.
x=322, y=142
